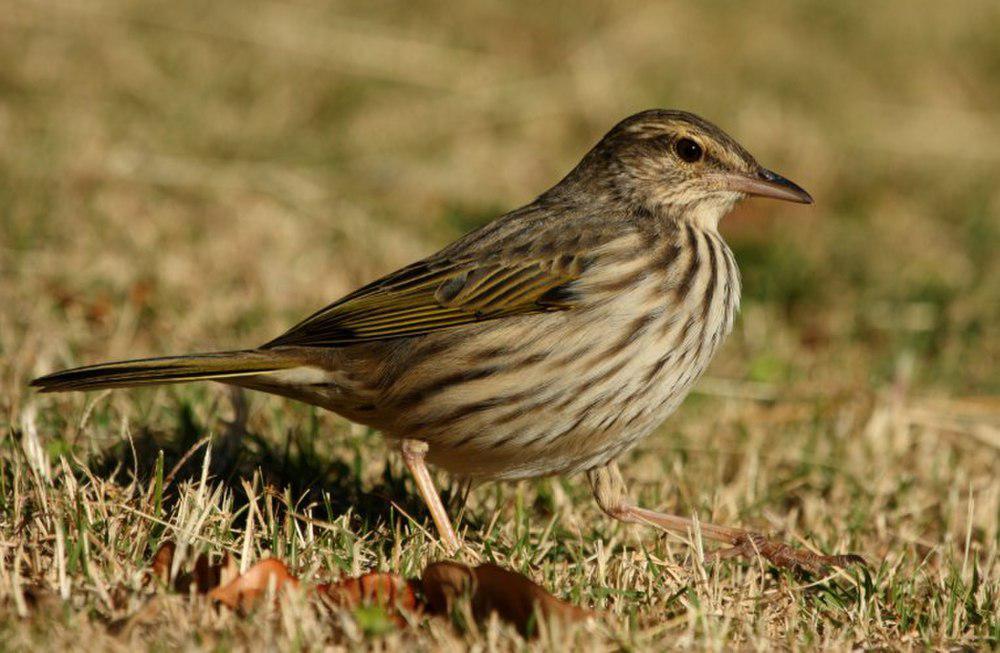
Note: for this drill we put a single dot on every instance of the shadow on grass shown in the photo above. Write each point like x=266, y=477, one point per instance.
x=291, y=467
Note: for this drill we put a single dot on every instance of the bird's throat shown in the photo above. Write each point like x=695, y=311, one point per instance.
x=703, y=213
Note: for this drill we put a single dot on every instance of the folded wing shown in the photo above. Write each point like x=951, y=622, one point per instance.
x=441, y=293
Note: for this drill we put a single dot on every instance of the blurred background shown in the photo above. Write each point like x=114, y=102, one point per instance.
x=183, y=176
x=187, y=176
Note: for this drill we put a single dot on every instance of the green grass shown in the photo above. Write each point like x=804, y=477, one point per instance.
x=188, y=176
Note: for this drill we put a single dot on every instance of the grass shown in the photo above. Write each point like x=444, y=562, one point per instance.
x=182, y=176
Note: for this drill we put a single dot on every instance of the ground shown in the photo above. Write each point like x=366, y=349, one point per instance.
x=184, y=176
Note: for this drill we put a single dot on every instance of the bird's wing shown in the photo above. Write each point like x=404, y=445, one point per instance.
x=442, y=292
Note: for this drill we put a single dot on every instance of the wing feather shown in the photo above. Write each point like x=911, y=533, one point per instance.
x=439, y=294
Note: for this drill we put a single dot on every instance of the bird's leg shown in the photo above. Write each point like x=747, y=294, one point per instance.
x=413, y=456
x=612, y=495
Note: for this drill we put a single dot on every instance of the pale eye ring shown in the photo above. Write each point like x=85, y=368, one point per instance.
x=688, y=150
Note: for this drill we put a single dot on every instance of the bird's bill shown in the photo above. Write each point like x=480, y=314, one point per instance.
x=765, y=183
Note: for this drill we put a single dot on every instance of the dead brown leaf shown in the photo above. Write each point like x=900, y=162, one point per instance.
x=489, y=588
x=163, y=559
x=393, y=593
x=244, y=590
x=205, y=576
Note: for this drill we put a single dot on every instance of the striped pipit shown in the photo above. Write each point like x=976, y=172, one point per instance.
x=549, y=341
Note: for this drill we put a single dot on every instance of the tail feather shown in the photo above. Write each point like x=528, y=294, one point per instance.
x=169, y=369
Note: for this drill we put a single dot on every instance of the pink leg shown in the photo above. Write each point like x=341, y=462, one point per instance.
x=612, y=495
x=413, y=456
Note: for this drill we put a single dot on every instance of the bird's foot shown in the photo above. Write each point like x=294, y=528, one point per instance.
x=609, y=490
x=751, y=545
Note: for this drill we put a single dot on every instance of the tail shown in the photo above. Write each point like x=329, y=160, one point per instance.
x=170, y=369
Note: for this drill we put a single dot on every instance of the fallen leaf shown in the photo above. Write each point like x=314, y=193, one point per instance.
x=443, y=583
x=243, y=591
x=163, y=559
x=207, y=576
x=396, y=595
x=491, y=588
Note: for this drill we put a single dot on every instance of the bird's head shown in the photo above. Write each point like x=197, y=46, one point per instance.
x=677, y=164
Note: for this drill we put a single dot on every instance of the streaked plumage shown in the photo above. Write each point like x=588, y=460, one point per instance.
x=549, y=341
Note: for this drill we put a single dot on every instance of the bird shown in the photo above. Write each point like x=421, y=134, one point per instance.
x=549, y=341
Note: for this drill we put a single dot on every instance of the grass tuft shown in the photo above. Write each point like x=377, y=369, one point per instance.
x=181, y=176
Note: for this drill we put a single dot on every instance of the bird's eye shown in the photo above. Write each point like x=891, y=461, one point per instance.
x=688, y=150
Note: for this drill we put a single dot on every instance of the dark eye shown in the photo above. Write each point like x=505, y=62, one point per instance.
x=688, y=150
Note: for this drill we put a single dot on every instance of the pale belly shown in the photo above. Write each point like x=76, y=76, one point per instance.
x=571, y=412
x=574, y=392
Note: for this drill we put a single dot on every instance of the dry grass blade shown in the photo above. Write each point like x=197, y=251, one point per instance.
x=180, y=176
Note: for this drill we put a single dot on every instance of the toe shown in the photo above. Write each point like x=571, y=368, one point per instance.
x=781, y=555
